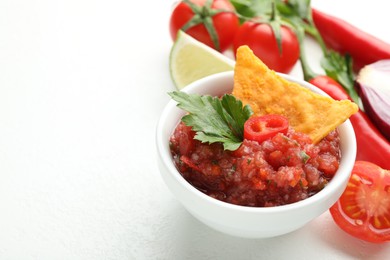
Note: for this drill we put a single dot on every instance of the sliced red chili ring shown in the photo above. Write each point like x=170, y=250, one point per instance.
x=261, y=128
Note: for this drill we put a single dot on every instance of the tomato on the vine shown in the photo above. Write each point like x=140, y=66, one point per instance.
x=363, y=210
x=260, y=37
x=213, y=22
x=261, y=128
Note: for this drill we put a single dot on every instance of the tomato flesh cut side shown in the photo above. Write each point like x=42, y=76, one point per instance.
x=363, y=210
x=261, y=128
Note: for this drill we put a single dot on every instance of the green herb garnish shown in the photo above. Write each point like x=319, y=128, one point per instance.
x=213, y=119
x=305, y=157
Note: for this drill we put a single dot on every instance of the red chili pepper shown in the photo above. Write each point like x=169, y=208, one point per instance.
x=343, y=37
x=261, y=128
x=371, y=145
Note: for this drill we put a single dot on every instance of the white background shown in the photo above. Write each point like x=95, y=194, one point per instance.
x=82, y=84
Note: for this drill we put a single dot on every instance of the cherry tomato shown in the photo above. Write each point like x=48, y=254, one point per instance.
x=225, y=23
x=261, y=39
x=261, y=128
x=363, y=210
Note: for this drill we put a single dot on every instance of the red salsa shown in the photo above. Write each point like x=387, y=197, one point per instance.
x=281, y=170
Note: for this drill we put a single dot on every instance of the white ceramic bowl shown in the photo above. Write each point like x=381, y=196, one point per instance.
x=242, y=221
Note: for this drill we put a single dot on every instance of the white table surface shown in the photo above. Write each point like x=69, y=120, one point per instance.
x=82, y=84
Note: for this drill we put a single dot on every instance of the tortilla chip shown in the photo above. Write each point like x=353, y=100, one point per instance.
x=268, y=93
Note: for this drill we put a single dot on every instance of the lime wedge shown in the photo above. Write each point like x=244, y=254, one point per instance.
x=191, y=60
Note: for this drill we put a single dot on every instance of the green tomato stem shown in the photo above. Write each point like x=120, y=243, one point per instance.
x=312, y=30
x=308, y=73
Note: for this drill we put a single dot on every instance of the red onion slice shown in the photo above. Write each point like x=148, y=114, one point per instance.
x=373, y=83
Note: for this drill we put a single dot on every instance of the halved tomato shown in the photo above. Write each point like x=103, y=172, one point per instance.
x=363, y=210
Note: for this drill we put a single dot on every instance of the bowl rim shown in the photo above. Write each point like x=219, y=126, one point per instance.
x=337, y=180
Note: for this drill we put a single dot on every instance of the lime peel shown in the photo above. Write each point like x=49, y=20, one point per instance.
x=191, y=60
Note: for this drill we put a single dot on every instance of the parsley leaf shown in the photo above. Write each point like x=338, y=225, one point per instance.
x=252, y=8
x=213, y=119
x=339, y=68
